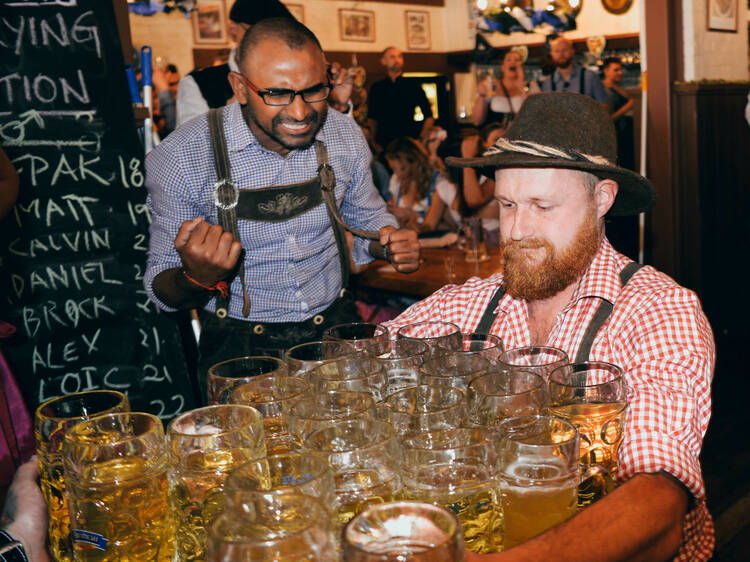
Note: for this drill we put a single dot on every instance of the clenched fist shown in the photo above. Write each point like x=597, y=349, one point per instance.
x=208, y=253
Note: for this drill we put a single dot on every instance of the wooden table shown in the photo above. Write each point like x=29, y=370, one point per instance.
x=433, y=273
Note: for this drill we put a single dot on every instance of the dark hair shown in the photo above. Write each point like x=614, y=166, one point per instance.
x=411, y=152
x=172, y=68
x=611, y=60
x=291, y=32
x=384, y=51
x=253, y=11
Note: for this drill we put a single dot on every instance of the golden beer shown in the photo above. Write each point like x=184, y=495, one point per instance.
x=52, y=420
x=119, y=512
x=470, y=494
x=529, y=511
x=197, y=496
x=539, y=497
x=359, y=488
x=601, y=427
x=53, y=491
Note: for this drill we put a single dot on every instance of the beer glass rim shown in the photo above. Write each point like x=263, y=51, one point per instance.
x=457, y=393
x=289, y=353
x=432, y=366
x=479, y=336
x=401, y=332
x=314, y=510
x=382, y=433
x=537, y=379
x=617, y=372
x=39, y=414
x=369, y=403
x=450, y=534
x=397, y=343
x=499, y=427
x=384, y=331
x=376, y=369
x=72, y=434
x=213, y=368
x=535, y=349
x=410, y=440
x=294, y=379
x=174, y=433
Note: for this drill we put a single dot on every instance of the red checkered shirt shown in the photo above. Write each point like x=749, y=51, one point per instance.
x=657, y=332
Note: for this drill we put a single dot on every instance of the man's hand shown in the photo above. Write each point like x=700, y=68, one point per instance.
x=402, y=246
x=208, y=253
x=25, y=513
x=343, y=82
x=470, y=146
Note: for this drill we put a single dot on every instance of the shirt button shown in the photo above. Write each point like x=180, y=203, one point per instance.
x=291, y=239
x=304, y=307
x=298, y=294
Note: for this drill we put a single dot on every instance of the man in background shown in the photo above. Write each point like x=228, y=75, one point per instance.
x=392, y=102
x=207, y=88
x=569, y=76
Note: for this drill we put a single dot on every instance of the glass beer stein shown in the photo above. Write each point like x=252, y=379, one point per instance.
x=116, y=483
x=274, y=527
x=541, y=360
x=404, y=531
x=456, y=468
x=224, y=376
x=52, y=420
x=593, y=397
x=205, y=445
x=365, y=456
x=272, y=397
x=539, y=475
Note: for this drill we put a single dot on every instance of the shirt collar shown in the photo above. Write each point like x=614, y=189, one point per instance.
x=602, y=278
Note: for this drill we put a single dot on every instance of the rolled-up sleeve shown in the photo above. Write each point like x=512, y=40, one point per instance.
x=670, y=368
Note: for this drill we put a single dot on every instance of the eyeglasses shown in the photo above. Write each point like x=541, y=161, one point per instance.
x=279, y=96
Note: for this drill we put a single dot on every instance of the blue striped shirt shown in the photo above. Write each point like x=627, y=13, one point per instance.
x=292, y=268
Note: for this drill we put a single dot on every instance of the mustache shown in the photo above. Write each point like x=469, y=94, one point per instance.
x=530, y=244
x=311, y=118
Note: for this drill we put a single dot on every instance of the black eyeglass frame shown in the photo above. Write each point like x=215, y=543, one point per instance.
x=293, y=93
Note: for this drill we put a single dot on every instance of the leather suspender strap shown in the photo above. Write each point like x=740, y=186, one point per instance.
x=602, y=314
x=226, y=195
x=489, y=315
x=328, y=185
x=327, y=179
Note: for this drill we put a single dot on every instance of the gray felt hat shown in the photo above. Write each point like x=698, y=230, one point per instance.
x=566, y=130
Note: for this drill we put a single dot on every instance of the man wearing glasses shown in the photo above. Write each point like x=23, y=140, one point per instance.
x=247, y=222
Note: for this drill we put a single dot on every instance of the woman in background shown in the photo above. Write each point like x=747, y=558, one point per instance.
x=499, y=100
x=421, y=198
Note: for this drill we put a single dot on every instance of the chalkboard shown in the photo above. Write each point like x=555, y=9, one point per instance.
x=74, y=247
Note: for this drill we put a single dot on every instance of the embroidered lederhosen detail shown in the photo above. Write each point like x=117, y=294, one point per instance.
x=274, y=204
x=602, y=314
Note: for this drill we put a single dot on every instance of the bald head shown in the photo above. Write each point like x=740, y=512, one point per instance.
x=561, y=51
x=288, y=32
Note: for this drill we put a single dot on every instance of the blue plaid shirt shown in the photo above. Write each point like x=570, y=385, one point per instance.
x=292, y=268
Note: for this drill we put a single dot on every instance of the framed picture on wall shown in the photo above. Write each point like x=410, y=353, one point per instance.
x=722, y=15
x=357, y=25
x=209, y=23
x=417, y=30
x=298, y=11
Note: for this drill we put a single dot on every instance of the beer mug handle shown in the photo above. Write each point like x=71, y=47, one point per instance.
x=596, y=482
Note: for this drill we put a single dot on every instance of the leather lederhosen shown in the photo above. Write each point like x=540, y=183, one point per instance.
x=601, y=316
x=270, y=204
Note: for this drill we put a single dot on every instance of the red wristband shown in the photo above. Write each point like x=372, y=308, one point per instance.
x=221, y=286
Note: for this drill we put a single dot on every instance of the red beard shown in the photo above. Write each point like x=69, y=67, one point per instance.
x=525, y=277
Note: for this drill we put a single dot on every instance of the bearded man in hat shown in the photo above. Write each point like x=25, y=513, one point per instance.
x=564, y=285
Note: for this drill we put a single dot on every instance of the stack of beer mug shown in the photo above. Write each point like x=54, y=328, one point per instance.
x=363, y=446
